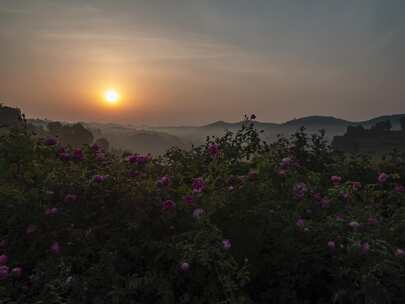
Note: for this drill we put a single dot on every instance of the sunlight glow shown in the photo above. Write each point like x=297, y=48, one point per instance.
x=111, y=96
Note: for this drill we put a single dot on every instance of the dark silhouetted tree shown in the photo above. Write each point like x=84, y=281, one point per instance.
x=10, y=117
x=402, y=123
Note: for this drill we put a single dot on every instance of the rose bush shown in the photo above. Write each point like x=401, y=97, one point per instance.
x=236, y=220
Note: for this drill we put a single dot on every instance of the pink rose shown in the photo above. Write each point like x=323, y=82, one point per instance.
x=336, y=180
x=55, y=248
x=332, y=245
x=168, y=205
x=227, y=244
x=383, y=177
x=184, y=266
x=3, y=272
x=3, y=259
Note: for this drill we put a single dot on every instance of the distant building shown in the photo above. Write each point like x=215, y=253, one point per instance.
x=379, y=138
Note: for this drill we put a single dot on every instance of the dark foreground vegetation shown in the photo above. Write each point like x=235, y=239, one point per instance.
x=233, y=221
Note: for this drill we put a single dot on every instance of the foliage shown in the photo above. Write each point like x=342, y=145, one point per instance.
x=236, y=220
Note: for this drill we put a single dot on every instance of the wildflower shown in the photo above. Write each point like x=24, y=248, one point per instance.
x=4, y=272
x=30, y=229
x=100, y=156
x=356, y=186
x=17, y=271
x=227, y=244
x=142, y=160
x=325, y=202
x=50, y=141
x=214, y=150
x=198, y=185
x=3, y=259
x=78, y=154
x=336, y=180
x=383, y=177
x=139, y=159
x=317, y=196
x=354, y=225
x=332, y=245
x=198, y=213
x=365, y=247
x=300, y=223
x=95, y=147
x=299, y=190
x=65, y=156
x=55, y=248
x=184, y=266
x=164, y=181
x=168, y=205
x=281, y=172
x=99, y=178
x=286, y=163
x=372, y=221
x=339, y=217
x=132, y=159
x=344, y=195
x=70, y=198
x=133, y=173
x=400, y=188
x=51, y=211
x=188, y=199
x=399, y=252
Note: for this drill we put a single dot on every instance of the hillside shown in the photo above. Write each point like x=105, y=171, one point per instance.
x=332, y=125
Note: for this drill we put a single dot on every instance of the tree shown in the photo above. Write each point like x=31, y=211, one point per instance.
x=383, y=126
x=10, y=117
x=402, y=123
x=55, y=127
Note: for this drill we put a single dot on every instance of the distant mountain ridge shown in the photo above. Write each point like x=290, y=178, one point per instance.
x=332, y=125
x=305, y=121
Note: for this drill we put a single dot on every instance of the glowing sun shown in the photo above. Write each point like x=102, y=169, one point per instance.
x=111, y=96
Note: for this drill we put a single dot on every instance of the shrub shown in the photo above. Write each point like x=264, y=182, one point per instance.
x=236, y=220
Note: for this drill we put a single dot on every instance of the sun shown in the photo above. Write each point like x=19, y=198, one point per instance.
x=111, y=96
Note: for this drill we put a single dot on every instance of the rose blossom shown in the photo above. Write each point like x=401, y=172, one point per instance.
x=198, y=185
x=3, y=259
x=164, y=181
x=4, y=272
x=354, y=225
x=70, y=198
x=332, y=245
x=184, y=266
x=55, y=248
x=336, y=180
x=227, y=244
x=168, y=205
x=382, y=178
x=299, y=190
x=198, y=213
x=30, y=229
x=51, y=211
x=214, y=150
x=188, y=199
x=399, y=252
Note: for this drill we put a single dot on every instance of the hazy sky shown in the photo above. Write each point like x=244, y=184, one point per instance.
x=196, y=61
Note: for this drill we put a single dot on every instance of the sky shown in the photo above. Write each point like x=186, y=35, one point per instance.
x=191, y=62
